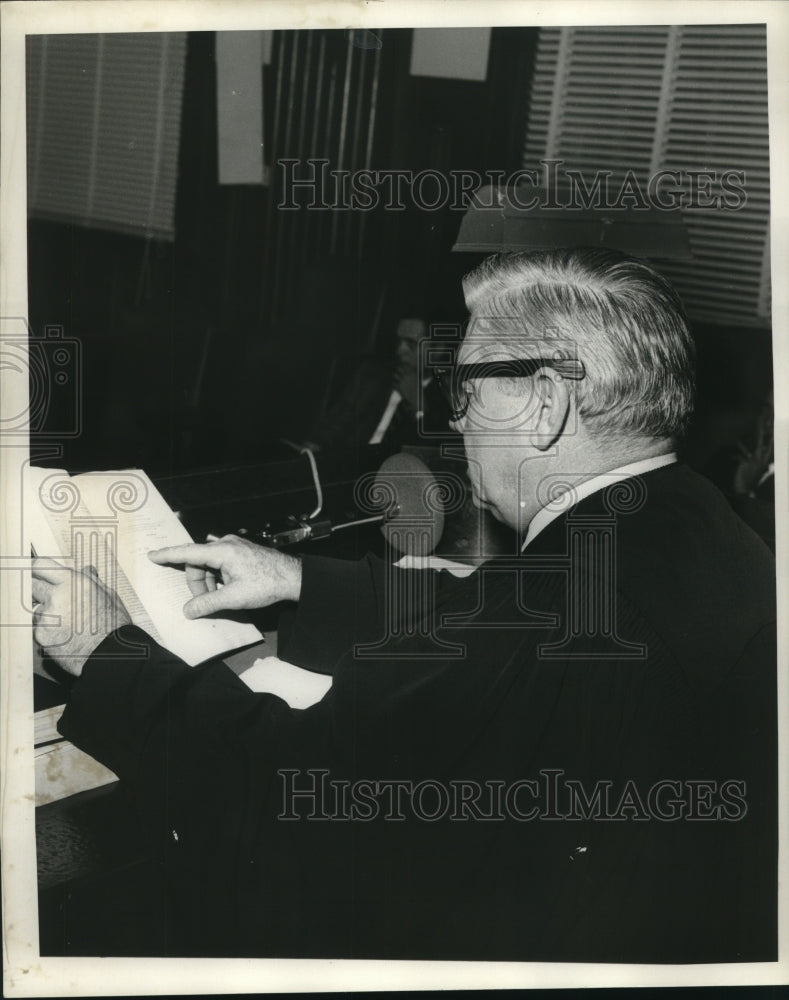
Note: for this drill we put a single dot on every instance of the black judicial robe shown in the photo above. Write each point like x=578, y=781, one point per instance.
x=634, y=764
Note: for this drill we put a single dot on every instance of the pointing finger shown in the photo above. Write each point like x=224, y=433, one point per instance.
x=190, y=555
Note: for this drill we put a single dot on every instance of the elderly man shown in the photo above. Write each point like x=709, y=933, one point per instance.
x=568, y=755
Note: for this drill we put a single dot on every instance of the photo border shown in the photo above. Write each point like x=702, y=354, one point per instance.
x=26, y=973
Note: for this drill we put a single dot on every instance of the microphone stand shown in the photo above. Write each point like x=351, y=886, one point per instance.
x=311, y=526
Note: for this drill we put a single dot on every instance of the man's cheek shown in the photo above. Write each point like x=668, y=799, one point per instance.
x=473, y=471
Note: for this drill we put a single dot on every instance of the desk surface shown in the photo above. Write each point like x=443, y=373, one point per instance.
x=98, y=892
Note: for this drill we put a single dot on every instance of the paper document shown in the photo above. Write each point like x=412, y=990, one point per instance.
x=298, y=687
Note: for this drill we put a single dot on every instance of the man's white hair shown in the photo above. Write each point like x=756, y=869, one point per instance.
x=626, y=321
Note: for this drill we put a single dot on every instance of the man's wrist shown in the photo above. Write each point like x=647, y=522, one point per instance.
x=290, y=577
x=73, y=663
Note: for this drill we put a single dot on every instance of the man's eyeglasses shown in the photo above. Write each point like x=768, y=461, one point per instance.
x=452, y=379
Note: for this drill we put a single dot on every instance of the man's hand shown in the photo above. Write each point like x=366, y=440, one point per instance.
x=75, y=612
x=251, y=576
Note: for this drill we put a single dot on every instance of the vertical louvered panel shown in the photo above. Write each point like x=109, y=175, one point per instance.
x=717, y=122
x=683, y=98
x=61, y=159
x=106, y=111
x=595, y=96
x=324, y=108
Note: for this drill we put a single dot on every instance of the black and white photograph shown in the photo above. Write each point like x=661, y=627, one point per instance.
x=394, y=475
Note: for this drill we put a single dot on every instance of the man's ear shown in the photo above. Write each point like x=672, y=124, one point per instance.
x=554, y=408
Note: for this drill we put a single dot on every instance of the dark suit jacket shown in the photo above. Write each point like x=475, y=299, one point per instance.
x=636, y=715
x=352, y=419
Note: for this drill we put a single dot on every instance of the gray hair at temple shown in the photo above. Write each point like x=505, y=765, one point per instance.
x=626, y=321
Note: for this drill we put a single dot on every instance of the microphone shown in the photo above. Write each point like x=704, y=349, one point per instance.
x=403, y=496
x=415, y=504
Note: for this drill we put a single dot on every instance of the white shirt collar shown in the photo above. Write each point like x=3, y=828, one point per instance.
x=569, y=498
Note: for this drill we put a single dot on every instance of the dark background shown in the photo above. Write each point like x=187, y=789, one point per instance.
x=277, y=350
